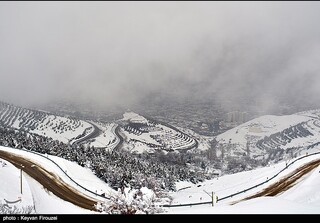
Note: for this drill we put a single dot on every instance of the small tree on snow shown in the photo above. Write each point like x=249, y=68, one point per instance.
x=131, y=201
x=6, y=209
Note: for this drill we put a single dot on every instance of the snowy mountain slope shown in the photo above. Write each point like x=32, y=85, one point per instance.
x=302, y=198
x=270, y=138
x=42, y=123
x=260, y=127
x=81, y=179
x=44, y=201
x=64, y=129
x=68, y=171
x=204, y=142
x=142, y=134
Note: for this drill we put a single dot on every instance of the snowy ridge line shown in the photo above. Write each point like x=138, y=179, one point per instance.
x=39, y=154
x=245, y=190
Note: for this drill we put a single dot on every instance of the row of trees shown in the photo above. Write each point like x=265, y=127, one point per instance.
x=119, y=169
x=282, y=138
x=28, y=119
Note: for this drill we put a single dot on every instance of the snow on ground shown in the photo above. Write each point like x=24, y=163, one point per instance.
x=107, y=136
x=33, y=193
x=160, y=135
x=42, y=199
x=144, y=137
x=10, y=187
x=260, y=127
x=203, y=141
x=138, y=147
x=302, y=142
x=311, y=113
x=261, y=205
x=74, y=128
x=46, y=202
x=306, y=192
x=86, y=179
x=303, y=198
x=134, y=117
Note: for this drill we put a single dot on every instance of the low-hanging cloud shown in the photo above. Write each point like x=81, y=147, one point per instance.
x=118, y=53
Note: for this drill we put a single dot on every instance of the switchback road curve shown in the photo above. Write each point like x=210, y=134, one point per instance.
x=95, y=133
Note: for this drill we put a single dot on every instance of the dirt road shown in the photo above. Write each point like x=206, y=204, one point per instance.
x=285, y=182
x=50, y=181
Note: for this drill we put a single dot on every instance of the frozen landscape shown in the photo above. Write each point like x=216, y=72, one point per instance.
x=302, y=198
x=159, y=108
x=188, y=197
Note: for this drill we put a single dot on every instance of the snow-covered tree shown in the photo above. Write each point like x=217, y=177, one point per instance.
x=131, y=201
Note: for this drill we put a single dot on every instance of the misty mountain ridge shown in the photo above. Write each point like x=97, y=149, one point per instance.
x=257, y=142
x=139, y=151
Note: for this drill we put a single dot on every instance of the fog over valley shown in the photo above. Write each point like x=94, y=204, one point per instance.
x=165, y=107
x=126, y=53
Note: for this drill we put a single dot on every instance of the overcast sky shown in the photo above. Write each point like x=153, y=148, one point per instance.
x=120, y=52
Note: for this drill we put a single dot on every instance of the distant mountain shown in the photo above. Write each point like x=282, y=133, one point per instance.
x=145, y=134
x=135, y=132
x=271, y=138
x=66, y=129
x=156, y=154
x=258, y=142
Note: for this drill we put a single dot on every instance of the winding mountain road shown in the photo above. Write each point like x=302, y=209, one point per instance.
x=68, y=193
x=285, y=182
x=51, y=181
x=95, y=133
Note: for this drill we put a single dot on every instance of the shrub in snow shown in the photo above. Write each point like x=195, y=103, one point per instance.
x=131, y=201
x=7, y=209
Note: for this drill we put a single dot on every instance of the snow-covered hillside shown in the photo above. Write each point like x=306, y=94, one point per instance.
x=42, y=123
x=259, y=128
x=65, y=129
x=271, y=137
x=142, y=134
x=270, y=141
x=34, y=198
x=303, y=197
x=40, y=200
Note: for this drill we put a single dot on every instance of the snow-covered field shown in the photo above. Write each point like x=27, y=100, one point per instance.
x=259, y=127
x=11, y=185
x=303, y=198
x=69, y=129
